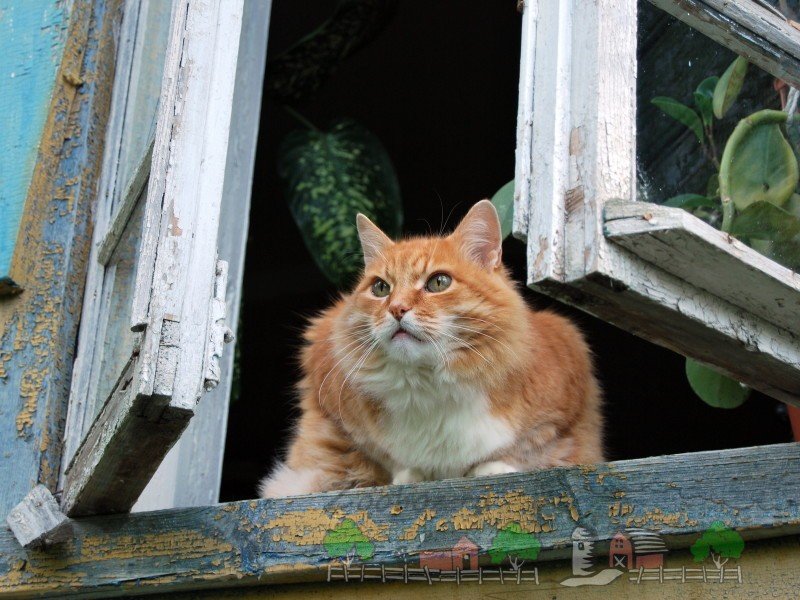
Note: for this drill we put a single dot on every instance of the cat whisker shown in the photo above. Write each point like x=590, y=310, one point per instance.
x=495, y=325
x=356, y=367
x=506, y=346
x=429, y=338
x=466, y=344
x=321, y=385
x=339, y=351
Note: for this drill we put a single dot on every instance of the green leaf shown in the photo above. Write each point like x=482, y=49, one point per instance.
x=765, y=221
x=713, y=388
x=681, y=113
x=758, y=164
x=503, y=201
x=688, y=201
x=331, y=176
x=704, y=98
x=729, y=86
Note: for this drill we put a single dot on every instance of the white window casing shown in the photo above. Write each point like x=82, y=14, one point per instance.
x=179, y=286
x=655, y=271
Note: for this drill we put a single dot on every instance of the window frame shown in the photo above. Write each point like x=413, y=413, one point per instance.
x=582, y=160
x=280, y=540
x=180, y=284
x=252, y=540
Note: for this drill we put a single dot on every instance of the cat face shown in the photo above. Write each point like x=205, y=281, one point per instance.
x=435, y=300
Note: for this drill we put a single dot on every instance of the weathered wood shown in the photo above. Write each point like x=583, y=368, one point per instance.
x=649, y=302
x=522, y=167
x=673, y=309
x=175, y=275
x=121, y=450
x=99, y=281
x=175, y=267
x=32, y=36
x=681, y=244
x=752, y=490
x=549, y=160
x=38, y=521
x=38, y=327
x=190, y=474
x=747, y=28
x=128, y=201
x=768, y=567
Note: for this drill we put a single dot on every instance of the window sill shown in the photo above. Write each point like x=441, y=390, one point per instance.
x=752, y=490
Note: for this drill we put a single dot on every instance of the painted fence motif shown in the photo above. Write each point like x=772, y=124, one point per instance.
x=683, y=575
x=405, y=574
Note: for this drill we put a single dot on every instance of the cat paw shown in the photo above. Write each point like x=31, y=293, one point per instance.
x=407, y=476
x=495, y=467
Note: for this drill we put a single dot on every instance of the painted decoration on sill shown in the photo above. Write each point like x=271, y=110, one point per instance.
x=510, y=559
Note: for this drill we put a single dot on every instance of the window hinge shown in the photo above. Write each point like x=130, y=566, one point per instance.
x=219, y=333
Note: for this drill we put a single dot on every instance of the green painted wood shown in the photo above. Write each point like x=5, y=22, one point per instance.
x=38, y=327
x=754, y=490
x=32, y=34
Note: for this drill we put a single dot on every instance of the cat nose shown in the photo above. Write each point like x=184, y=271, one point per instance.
x=398, y=310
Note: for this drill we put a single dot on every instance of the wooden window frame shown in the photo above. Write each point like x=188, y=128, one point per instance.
x=179, y=298
x=649, y=269
x=753, y=490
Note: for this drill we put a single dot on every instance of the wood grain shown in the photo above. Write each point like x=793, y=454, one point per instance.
x=747, y=28
x=752, y=490
x=681, y=244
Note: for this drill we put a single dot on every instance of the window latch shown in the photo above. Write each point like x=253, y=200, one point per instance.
x=219, y=333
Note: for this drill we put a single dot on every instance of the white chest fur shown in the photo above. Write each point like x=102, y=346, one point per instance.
x=433, y=423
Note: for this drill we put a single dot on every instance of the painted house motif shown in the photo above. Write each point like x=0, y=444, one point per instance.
x=636, y=549
x=464, y=556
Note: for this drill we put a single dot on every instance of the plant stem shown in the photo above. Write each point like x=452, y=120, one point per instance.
x=300, y=118
x=713, y=155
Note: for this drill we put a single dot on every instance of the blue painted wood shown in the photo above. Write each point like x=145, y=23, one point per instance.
x=32, y=35
x=38, y=327
x=751, y=490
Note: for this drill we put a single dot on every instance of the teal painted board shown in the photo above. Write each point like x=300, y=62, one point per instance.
x=32, y=36
x=38, y=328
x=751, y=490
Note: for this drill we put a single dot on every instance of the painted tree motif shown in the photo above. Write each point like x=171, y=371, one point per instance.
x=720, y=542
x=514, y=544
x=346, y=541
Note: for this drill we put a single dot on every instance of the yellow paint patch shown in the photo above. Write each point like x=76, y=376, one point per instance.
x=396, y=509
x=514, y=507
x=309, y=527
x=658, y=517
x=410, y=533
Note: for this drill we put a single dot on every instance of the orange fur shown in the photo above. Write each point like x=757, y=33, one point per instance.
x=519, y=382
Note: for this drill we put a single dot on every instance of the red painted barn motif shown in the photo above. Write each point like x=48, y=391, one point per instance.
x=637, y=549
x=464, y=556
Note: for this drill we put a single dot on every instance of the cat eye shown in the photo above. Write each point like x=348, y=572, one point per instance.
x=438, y=283
x=380, y=288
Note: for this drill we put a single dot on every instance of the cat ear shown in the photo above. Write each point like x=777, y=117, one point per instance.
x=373, y=240
x=479, y=235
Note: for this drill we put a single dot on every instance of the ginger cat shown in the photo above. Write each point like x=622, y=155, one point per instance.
x=435, y=367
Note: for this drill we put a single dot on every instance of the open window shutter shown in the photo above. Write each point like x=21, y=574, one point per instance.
x=592, y=245
x=178, y=303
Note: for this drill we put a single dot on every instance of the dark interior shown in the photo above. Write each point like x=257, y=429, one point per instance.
x=438, y=86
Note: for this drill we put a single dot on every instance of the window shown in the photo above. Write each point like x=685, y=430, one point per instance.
x=135, y=388
x=653, y=270
x=153, y=321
